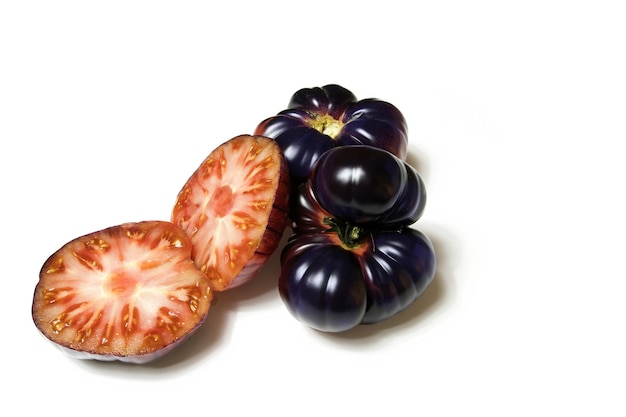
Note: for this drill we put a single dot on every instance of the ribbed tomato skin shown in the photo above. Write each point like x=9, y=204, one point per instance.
x=354, y=257
x=321, y=118
x=333, y=289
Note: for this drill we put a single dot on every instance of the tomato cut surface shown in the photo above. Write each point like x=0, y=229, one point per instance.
x=234, y=208
x=130, y=292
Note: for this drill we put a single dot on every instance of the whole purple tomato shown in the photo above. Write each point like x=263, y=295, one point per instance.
x=320, y=118
x=353, y=257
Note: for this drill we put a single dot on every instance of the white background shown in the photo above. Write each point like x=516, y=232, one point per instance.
x=516, y=113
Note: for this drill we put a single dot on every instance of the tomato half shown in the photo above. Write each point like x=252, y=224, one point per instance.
x=129, y=292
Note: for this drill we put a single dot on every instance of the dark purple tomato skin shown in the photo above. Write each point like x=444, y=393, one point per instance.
x=368, y=186
x=396, y=272
x=302, y=130
x=353, y=258
x=376, y=123
x=321, y=284
x=302, y=146
x=331, y=99
x=332, y=289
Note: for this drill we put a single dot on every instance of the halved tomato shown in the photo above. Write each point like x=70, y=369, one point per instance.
x=130, y=293
x=234, y=209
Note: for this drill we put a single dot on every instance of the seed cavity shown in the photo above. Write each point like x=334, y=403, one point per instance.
x=135, y=233
x=130, y=318
x=58, y=295
x=169, y=320
x=60, y=322
x=87, y=261
x=253, y=152
x=97, y=243
x=151, y=340
x=56, y=265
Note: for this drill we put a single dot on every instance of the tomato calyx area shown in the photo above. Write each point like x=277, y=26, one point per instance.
x=327, y=125
x=350, y=236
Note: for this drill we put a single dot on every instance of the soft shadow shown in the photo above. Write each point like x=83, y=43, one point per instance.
x=420, y=161
x=262, y=289
x=196, y=348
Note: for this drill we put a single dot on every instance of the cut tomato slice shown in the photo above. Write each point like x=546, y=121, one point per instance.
x=234, y=208
x=130, y=292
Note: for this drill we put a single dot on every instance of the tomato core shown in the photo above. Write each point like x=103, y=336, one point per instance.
x=223, y=201
x=327, y=125
x=120, y=284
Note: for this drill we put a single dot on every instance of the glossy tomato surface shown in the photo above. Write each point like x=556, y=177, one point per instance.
x=353, y=257
x=321, y=118
x=331, y=288
x=367, y=185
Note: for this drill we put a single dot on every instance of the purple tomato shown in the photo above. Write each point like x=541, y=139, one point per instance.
x=353, y=257
x=321, y=118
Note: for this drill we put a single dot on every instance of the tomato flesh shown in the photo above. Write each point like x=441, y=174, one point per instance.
x=234, y=209
x=130, y=292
